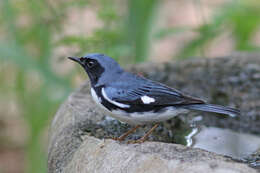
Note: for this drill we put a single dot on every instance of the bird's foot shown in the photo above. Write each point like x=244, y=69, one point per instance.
x=139, y=141
x=122, y=137
x=117, y=139
x=144, y=138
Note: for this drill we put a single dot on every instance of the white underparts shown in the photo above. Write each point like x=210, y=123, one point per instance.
x=94, y=96
x=98, y=100
x=121, y=105
x=136, y=118
x=147, y=100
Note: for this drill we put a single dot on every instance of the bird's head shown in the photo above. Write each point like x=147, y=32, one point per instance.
x=99, y=67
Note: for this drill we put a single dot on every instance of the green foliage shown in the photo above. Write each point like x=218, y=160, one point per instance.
x=29, y=27
x=139, y=26
x=125, y=36
x=29, y=47
x=240, y=17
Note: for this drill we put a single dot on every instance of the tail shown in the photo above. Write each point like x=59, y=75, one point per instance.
x=214, y=108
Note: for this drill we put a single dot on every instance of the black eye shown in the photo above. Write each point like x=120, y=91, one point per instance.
x=82, y=59
x=91, y=64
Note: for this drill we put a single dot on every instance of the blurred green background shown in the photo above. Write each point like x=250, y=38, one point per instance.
x=36, y=36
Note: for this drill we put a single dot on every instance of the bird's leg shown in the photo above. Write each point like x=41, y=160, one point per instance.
x=123, y=136
x=141, y=140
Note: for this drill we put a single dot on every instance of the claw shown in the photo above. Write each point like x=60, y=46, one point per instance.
x=139, y=141
x=122, y=137
x=117, y=139
x=144, y=138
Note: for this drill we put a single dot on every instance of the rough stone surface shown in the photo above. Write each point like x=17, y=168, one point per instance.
x=233, y=81
x=96, y=155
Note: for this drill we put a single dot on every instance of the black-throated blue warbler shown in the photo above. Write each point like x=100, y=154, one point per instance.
x=136, y=100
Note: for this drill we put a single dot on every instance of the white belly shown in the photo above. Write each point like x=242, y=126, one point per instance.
x=147, y=117
x=97, y=99
x=139, y=118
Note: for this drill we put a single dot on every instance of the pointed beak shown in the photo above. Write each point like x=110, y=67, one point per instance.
x=76, y=59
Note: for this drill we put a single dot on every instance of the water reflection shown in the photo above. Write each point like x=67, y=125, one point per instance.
x=226, y=142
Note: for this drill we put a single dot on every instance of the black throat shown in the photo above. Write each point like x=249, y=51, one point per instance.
x=94, y=74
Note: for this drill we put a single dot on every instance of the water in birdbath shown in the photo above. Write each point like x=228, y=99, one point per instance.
x=190, y=131
x=240, y=146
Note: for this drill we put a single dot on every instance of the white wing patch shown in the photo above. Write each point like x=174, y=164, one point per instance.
x=121, y=105
x=147, y=100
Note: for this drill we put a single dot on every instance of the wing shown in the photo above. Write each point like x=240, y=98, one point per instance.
x=149, y=93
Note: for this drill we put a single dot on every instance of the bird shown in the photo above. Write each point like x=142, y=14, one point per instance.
x=136, y=100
